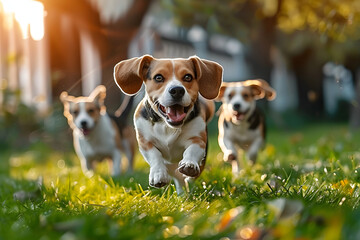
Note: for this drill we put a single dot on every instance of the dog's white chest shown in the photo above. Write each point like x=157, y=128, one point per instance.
x=101, y=142
x=171, y=142
x=241, y=134
x=164, y=134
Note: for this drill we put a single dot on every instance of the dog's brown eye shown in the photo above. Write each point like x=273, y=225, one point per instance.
x=91, y=110
x=75, y=112
x=230, y=95
x=188, y=78
x=246, y=96
x=159, y=78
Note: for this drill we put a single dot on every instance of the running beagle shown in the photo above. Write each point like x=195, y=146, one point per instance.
x=97, y=135
x=170, y=121
x=241, y=125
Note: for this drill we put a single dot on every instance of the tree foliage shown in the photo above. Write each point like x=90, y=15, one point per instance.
x=336, y=19
x=326, y=22
x=309, y=33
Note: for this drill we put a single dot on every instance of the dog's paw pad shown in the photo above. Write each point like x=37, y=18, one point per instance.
x=158, y=178
x=189, y=169
x=253, y=157
x=230, y=157
x=160, y=184
x=89, y=173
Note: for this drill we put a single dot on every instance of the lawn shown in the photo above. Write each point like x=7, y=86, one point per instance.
x=305, y=185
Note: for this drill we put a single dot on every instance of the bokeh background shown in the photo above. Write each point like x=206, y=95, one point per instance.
x=308, y=50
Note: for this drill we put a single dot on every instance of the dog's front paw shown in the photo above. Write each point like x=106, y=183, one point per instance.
x=158, y=177
x=252, y=156
x=88, y=173
x=189, y=168
x=229, y=156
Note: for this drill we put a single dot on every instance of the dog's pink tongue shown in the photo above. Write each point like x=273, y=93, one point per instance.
x=240, y=116
x=176, y=113
x=85, y=131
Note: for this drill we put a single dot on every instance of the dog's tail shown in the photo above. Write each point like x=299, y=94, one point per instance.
x=125, y=108
x=121, y=116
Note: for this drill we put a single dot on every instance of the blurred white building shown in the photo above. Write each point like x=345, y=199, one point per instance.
x=160, y=37
x=337, y=85
x=27, y=66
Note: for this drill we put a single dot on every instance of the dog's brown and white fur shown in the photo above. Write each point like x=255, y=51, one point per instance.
x=97, y=136
x=171, y=120
x=241, y=125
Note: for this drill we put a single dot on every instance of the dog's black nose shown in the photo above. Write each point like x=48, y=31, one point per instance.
x=177, y=92
x=83, y=124
x=236, y=106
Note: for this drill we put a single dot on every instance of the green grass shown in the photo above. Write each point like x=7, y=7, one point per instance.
x=305, y=185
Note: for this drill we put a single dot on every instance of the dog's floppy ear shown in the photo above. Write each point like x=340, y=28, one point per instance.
x=98, y=95
x=222, y=89
x=261, y=89
x=63, y=97
x=129, y=74
x=209, y=75
x=66, y=100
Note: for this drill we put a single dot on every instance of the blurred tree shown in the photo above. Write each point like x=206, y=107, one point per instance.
x=66, y=19
x=308, y=32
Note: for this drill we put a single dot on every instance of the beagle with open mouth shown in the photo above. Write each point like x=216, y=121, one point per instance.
x=97, y=135
x=171, y=120
x=241, y=125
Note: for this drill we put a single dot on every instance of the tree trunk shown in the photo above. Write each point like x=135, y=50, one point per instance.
x=309, y=78
x=262, y=40
x=118, y=37
x=263, y=37
x=64, y=21
x=112, y=40
x=355, y=109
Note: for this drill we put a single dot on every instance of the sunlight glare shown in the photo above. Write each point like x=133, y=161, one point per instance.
x=29, y=14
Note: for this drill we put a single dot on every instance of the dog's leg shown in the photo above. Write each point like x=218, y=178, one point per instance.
x=179, y=185
x=254, y=149
x=129, y=154
x=230, y=154
x=116, y=166
x=228, y=148
x=86, y=166
x=179, y=179
x=192, y=158
x=227, y=145
x=158, y=176
x=235, y=167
